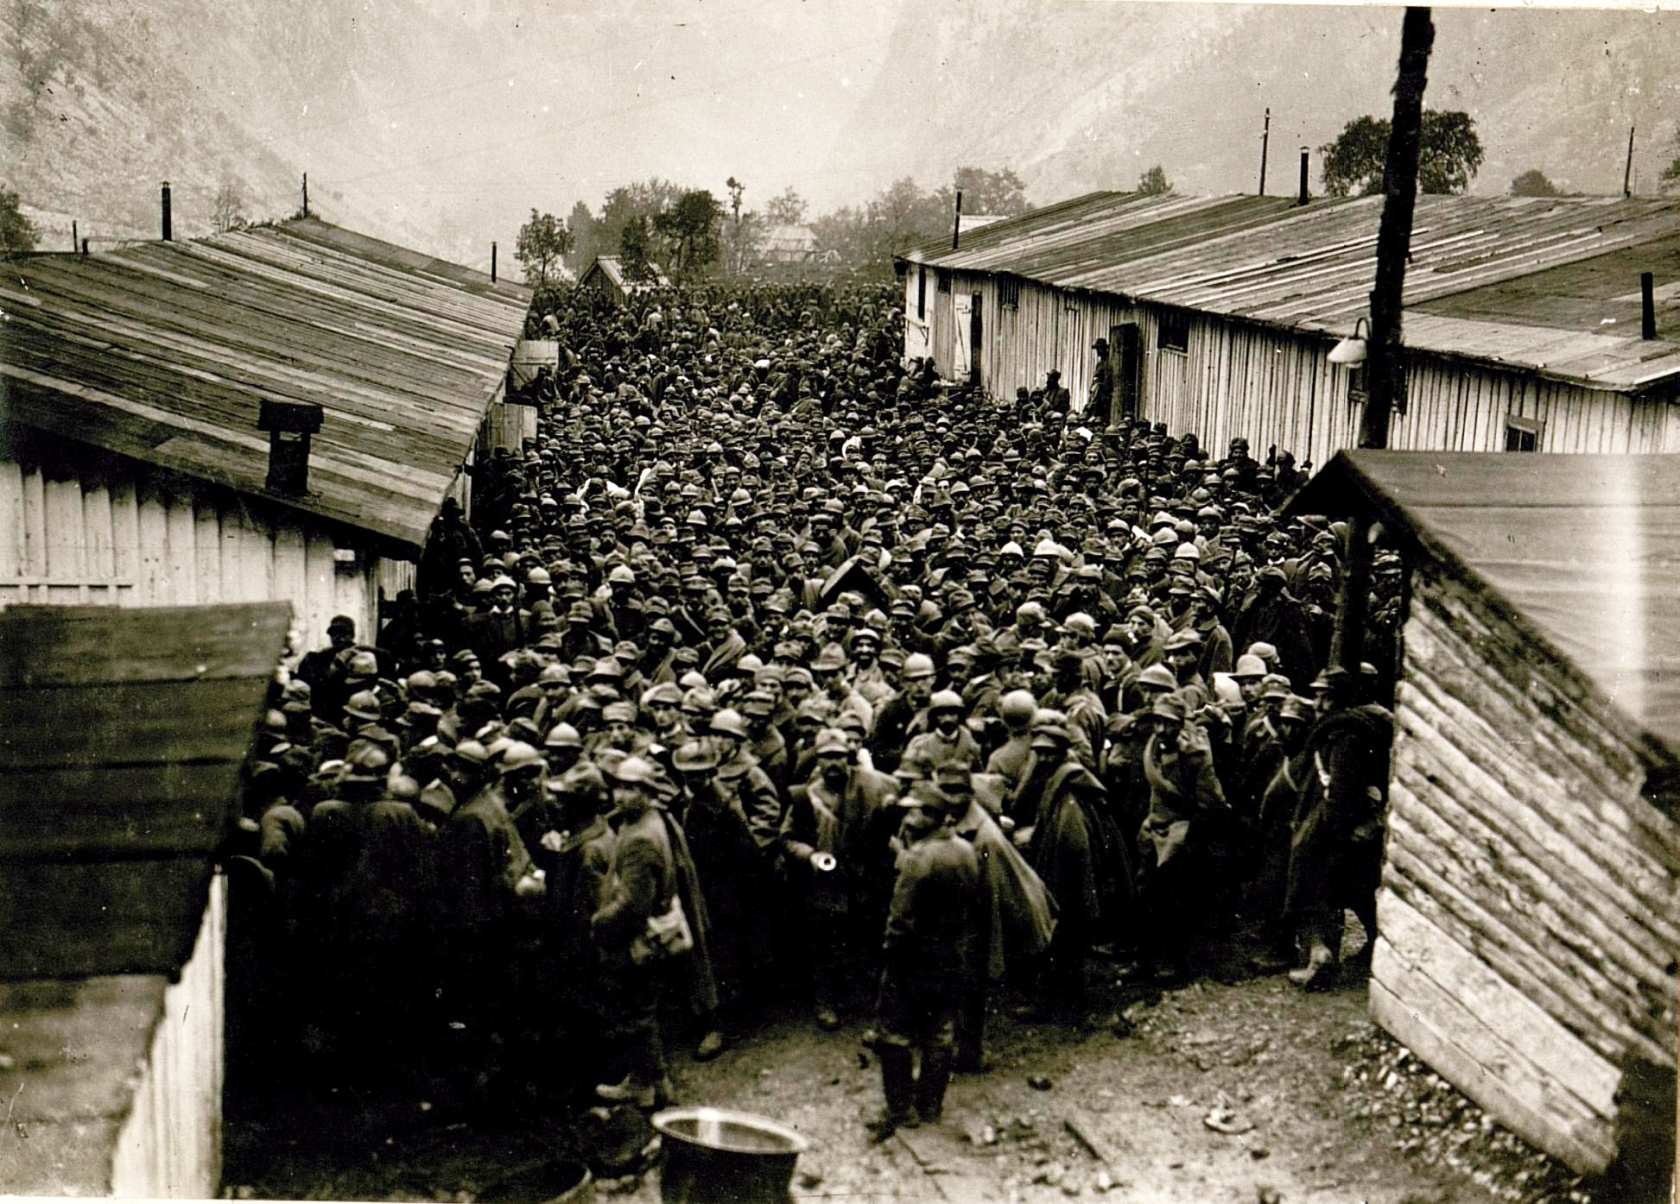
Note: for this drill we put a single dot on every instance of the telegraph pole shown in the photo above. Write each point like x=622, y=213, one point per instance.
x=1265, y=138
x=1385, y=364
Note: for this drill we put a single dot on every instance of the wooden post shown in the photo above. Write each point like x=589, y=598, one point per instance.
x=84, y=246
x=1348, y=642
x=1386, y=367
x=306, y=194
x=1647, y=306
x=1303, y=196
x=1265, y=139
x=492, y=261
x=75, y=236
x=168, y=222
x=956, y=223
x=1627, y=172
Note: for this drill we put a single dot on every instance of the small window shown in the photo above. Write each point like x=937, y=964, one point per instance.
x=944, y=282
x=1522, y=434
x=1172, y=331
x=1009, y=292
x=921, y=294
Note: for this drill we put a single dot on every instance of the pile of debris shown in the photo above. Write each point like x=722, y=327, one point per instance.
x=1432, y=1121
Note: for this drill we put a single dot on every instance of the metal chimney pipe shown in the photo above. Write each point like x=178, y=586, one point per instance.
x=75, y=236
x=1304, y=196
x=1647, y=306
x=956, y=222
x=168, y=223
x=84, y=246
x=306, y=194
x=492, y=262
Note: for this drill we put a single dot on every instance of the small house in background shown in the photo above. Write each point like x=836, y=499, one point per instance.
x=122, y=732
x=273, y=413
x=1529, y=918
x=1524, y=327
x=606, y=277
x=786, y=245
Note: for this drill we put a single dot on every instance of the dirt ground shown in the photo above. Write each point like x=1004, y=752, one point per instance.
x=1248, y=1091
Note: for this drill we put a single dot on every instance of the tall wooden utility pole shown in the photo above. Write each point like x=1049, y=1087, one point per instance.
x=1385, y=362
x=1265, y=140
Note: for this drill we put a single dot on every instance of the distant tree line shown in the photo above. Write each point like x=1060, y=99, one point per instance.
x=688, y=233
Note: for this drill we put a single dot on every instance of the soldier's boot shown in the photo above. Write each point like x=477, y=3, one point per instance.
x=898, y=1087
x=930, y=1087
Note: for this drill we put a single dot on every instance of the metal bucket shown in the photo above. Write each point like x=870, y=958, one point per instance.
x=715, y=1156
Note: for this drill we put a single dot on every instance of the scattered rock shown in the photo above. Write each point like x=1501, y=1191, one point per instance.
x=1103, y=1182
x=810, y=1179
x=1071, y=1187
x=1039, y=1082
x=1180, y=1101
x=1268, y=1195
x=1259, y=1153
x=988, y=1135
x=1224, y=1120
x=862, y=1060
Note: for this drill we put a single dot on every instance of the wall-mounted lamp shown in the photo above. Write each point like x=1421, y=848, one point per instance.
x=1351, y=350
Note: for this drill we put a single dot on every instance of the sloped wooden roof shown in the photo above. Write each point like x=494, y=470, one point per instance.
x=1583, y=551
x=162, y=352
x=121, y=736
x=1310, y=269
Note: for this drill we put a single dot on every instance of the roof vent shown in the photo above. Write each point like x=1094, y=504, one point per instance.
x=289, y=425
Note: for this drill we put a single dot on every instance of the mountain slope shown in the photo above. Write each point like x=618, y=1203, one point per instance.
x=1085, y=96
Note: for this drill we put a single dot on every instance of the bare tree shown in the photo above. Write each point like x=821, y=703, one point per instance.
x=227, y=210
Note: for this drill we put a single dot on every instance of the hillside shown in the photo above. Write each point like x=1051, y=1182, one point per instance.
x=1110, y=89
x=102, y=100
x=440, y=124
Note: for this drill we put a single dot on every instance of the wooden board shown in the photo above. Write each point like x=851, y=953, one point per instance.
x=1421, y=1020
x=1514, y=1024
x=105, y=811
x=83, y=919
x=71, y=646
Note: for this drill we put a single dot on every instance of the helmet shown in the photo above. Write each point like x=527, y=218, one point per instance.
x=832, y=658
x=634, y=771
x=695, y=756
x=946, y=700
x=472, y=752
x=622, y=574
x=519, y=757
x=1016, y=708
x=918, y=665
x=538, y=576
x=665, y=692
x=362, y=664
x=364, y=705
x=368, y=763
x=1249, y=668
x=831, y=740
x=1158, y=677
x=563, y=735
x=728, y=722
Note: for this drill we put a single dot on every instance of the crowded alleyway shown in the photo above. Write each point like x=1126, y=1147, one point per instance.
x=966, y=782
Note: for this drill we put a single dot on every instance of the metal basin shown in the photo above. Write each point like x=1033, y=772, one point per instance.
x=716, y=1156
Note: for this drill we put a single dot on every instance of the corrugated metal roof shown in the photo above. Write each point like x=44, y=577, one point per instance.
x=163, y=351
x=1584, y=548
x=122, y=732
x=1311, y=268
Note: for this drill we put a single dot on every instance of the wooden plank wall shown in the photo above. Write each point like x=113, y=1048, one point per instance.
x=1531, y=896
x=76, y=531
x=1274, y=387
x=170, y=1146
